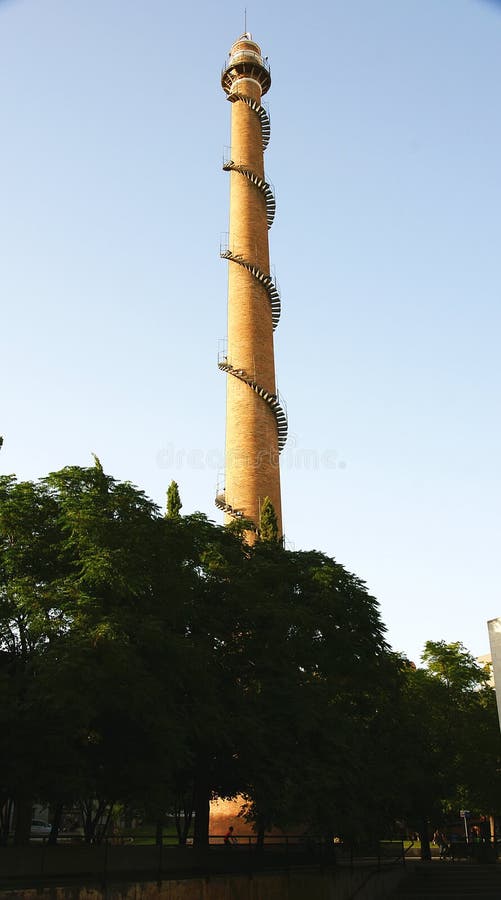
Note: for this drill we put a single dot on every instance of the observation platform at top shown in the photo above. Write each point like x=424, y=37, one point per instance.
x=246, y=61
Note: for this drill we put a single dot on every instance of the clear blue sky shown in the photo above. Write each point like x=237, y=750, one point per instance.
x=385, y=156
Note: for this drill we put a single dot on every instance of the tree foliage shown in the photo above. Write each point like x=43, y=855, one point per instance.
x=174, y=504
x=446, y=739
x=157, y=661
x=268, y=524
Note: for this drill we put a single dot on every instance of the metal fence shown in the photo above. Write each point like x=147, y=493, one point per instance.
x=129, y=857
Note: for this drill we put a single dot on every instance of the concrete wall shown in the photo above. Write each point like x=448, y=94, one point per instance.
x=334, y=885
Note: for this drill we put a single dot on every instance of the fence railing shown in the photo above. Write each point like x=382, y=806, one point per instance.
x=131, y=856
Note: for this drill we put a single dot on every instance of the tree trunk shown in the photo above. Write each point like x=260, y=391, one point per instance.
x=159, y=832
x=23, y=813
x=92, y=813
x=56, y=823
x=183, y=813
x=202, y=807
x=183, y=825
x=425, y=841
x=6, y=810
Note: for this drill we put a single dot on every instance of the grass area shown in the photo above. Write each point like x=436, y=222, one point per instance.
x=145, y=834
x=398, y=844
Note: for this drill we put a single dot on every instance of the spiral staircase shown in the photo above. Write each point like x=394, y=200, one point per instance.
x=265, y=279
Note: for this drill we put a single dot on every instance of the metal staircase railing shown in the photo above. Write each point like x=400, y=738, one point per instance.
x=265, y=279
x=260, y=111
x=271, y=399
x=261, y=184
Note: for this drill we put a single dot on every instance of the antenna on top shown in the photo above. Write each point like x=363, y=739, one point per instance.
x=245, y=20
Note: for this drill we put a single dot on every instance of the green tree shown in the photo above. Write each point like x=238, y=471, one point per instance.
x=31, y=620
x=455, y=667
x=312, y=653
x=268, y=524
x=174, y=504
x=447, y=744
x=204, y=667
x=90, y=594
x=123, y=593
x=211, y=616
x=469, y=727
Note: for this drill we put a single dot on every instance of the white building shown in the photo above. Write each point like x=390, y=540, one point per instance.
x=494, y=626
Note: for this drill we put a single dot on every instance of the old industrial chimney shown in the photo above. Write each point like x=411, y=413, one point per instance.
x=256, y=424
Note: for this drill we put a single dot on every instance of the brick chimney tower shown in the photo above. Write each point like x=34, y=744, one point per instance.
x=256, y=424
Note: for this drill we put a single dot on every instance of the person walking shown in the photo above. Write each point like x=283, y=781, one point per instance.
x=229, y=838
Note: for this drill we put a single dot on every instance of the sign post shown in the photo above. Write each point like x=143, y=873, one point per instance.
x=464, y=813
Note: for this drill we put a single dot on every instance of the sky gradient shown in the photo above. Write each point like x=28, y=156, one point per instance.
x=385, y=156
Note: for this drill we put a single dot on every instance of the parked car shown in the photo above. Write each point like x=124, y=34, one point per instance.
x=40, y=828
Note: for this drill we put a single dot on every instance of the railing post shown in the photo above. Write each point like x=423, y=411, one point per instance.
x=105, y=862
x=250, y=856
x=160, y=857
